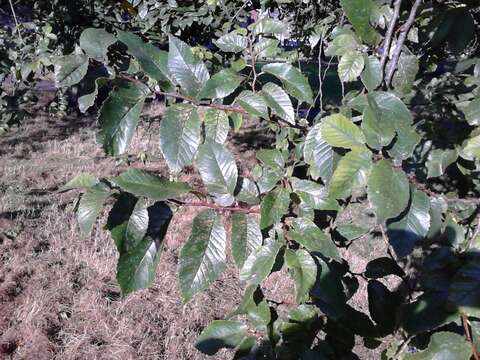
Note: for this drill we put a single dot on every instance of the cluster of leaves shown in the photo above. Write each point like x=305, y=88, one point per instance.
x=380, y=147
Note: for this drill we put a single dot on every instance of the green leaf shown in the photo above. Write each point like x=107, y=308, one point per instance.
x=410, y=227
x=465, y=289
x=141, y=183
x=319, y=154
x=390, y=109
x=249, y=192
x=405, y=74
x=308, y=234
x=137, y=225
x=266, y=48
x=269, y=26
x=405, y=143
x=372, y=73
x=382, y=304
x=152, y=60
x=95, y=42
x=328, y=291
x=136, y=267
x=81, y=181
x=378, y=130
x=221, y=85
x=86, y=101
x=294, y=81
x=444, y=345
x=388, y=190
x=273, y=207
x=351, y=173
x=90, y=206
x=472, y=112
x=273, y=158
x=339, y=131
x=351, y=231
x=383, y=266
x=471, y=148
x=359, y=13
x=438, y=160
x=221, y=334
x=304, y=272
x=232, y=42
x=252, y=103
x=179, y=136
x=119, y=116
x=216, y=126
x=314, y=195
x=350, y=66
x=279, y=102
x=217, y=168
x=342, y=44
x=70, y=69
x=246, y=237
x=203, y=256
x=188, y=71
x=260, y=262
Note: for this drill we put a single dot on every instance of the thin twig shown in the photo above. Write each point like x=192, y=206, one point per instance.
x=400, y=41
x=17, y=25
x=218, y=207
x=468, y=335
x=389, y=34
x=254, y=71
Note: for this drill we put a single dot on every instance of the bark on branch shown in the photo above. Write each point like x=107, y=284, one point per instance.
x=400, y=41
x=389, y=35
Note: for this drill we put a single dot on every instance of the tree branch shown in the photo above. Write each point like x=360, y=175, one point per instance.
x=218, y=207
x=388, y=36
x=468, y=335
x=400, y=41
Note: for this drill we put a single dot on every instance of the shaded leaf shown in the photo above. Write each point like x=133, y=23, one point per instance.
x=438, y=160
x=80, y=181
x=359, y=13
x=249, y=192
x=382, y=304
x=383, y=266
x=388, y=190
x=411, y=226
x=221, y=334
x=136, y=267
x=137, y=225
x=444, y=345
x=404, y=76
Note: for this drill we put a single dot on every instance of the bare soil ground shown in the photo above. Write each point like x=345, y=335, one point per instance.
x=58, y=294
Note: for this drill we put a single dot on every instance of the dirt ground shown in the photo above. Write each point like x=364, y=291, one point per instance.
x=58, y=294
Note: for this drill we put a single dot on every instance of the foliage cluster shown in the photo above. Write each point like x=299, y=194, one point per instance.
x=402, y=141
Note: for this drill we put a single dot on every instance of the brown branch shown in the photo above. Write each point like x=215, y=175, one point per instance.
x=400, y=41
x=468, y=335
x=389, y=34
x=227, y=108
x=254, y=71
x=218, y=207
